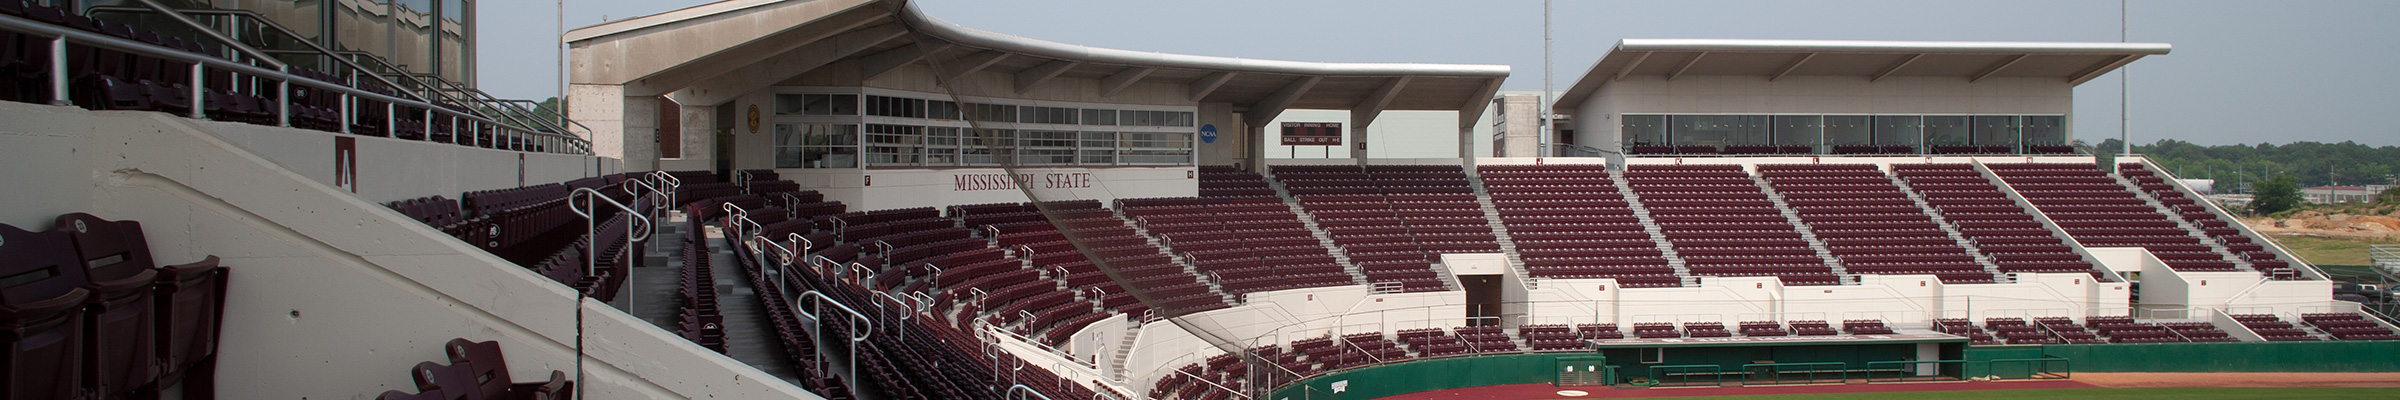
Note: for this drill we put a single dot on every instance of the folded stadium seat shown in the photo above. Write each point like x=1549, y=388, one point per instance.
x=190, y=311
x=119, y=353
x=41, y=313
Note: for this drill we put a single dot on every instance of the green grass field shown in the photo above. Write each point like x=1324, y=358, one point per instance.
x=2096, y=394
x=2331, y=251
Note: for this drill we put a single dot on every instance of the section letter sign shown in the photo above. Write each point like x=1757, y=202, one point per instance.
x=1312, y=133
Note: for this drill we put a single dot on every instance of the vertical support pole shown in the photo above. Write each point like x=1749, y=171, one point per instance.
x=345, y=102
x=58, y=72
x=199, y=91
x=391, y=119
x=283, y=101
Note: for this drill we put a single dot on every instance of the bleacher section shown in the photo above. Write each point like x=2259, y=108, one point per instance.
x=1993, y=223
x=1247, y=244
x=1869, y=224
x=1721, y=223
x=899, y=355
x=2102, y=212
x=2198, y=217
x=1394, y=221
x=88, y=313
x=1571, y=221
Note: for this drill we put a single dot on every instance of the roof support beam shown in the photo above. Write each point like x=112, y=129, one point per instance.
x=1887, y=71
x=1030, y=77
x=1376, y=102
x=717, y=90
x=1123, y=79
x=2101, y=69
x=1267, y=109
x=1996, y=67
x=960, y=67
x=714, y=65
x=1787, y=68
x=1687, y=64
x=1637, y=63
x=1208, y=84
x=876, y=64
x=1472, y=111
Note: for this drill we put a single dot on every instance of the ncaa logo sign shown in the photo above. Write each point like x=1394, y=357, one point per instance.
x=1208, y=133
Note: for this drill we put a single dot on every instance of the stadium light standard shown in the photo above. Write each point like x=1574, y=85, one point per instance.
x=1549, y=125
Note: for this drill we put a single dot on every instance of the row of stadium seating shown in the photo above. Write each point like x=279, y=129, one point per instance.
x=2076, y=193
x=1860, y=214
x=1397, y=230
x=903, y=357
x=1696, y=206
x=88, y=314
x=2207, y=222
x=1706, y=150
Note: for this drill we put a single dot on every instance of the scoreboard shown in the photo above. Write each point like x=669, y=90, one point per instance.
x=1312, y=133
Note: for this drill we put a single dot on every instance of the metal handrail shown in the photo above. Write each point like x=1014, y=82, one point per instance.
x=592, y=260
x=785, y=252
x=665, y=182
x=855, y=335
x=285, y=79
x=858, y=273
x=432, y=86
x=1028, y=391
x=904, y=317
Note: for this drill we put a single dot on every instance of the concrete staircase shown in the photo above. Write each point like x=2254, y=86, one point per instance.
x=1657, y=235
x=1116, y=362
x=1491, y=215
x=1189, y=266
x=1358, y=275
x=1806, y=234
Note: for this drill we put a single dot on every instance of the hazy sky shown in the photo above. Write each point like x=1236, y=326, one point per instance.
x=2241, y=71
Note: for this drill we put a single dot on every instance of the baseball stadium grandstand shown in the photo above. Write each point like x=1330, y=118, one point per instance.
x=852, y=199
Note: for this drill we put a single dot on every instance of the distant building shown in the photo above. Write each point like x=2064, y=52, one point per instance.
x=2343, y=194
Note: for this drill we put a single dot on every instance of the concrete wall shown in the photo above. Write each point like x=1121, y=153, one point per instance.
x=332, y=295
x=1395, y=134
x=1750, y=94
x=1518, y=131
x=44, y=140
x=877, y=189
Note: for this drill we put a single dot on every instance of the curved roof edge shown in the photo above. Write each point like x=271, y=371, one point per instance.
x=1878, y=46
x=972, y=37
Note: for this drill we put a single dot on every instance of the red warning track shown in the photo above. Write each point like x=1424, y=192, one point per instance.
x=1546, y=391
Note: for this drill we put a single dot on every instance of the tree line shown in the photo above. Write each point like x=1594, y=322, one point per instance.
x=2308, y=163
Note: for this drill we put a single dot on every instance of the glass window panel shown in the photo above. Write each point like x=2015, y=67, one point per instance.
x=787, y=146
x=1717, y=130
x=2045, y=130
x=789, y=104
x=1644, y=130
x=1800, y=130
x=987, y=147
x=938, y=109
x=1996, y=130
x=1099, y=117
x=1948, y=130
x=895, y=145
x=1848, y=130
x=941, y=146
x=1900, y=130
x=842, y=104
